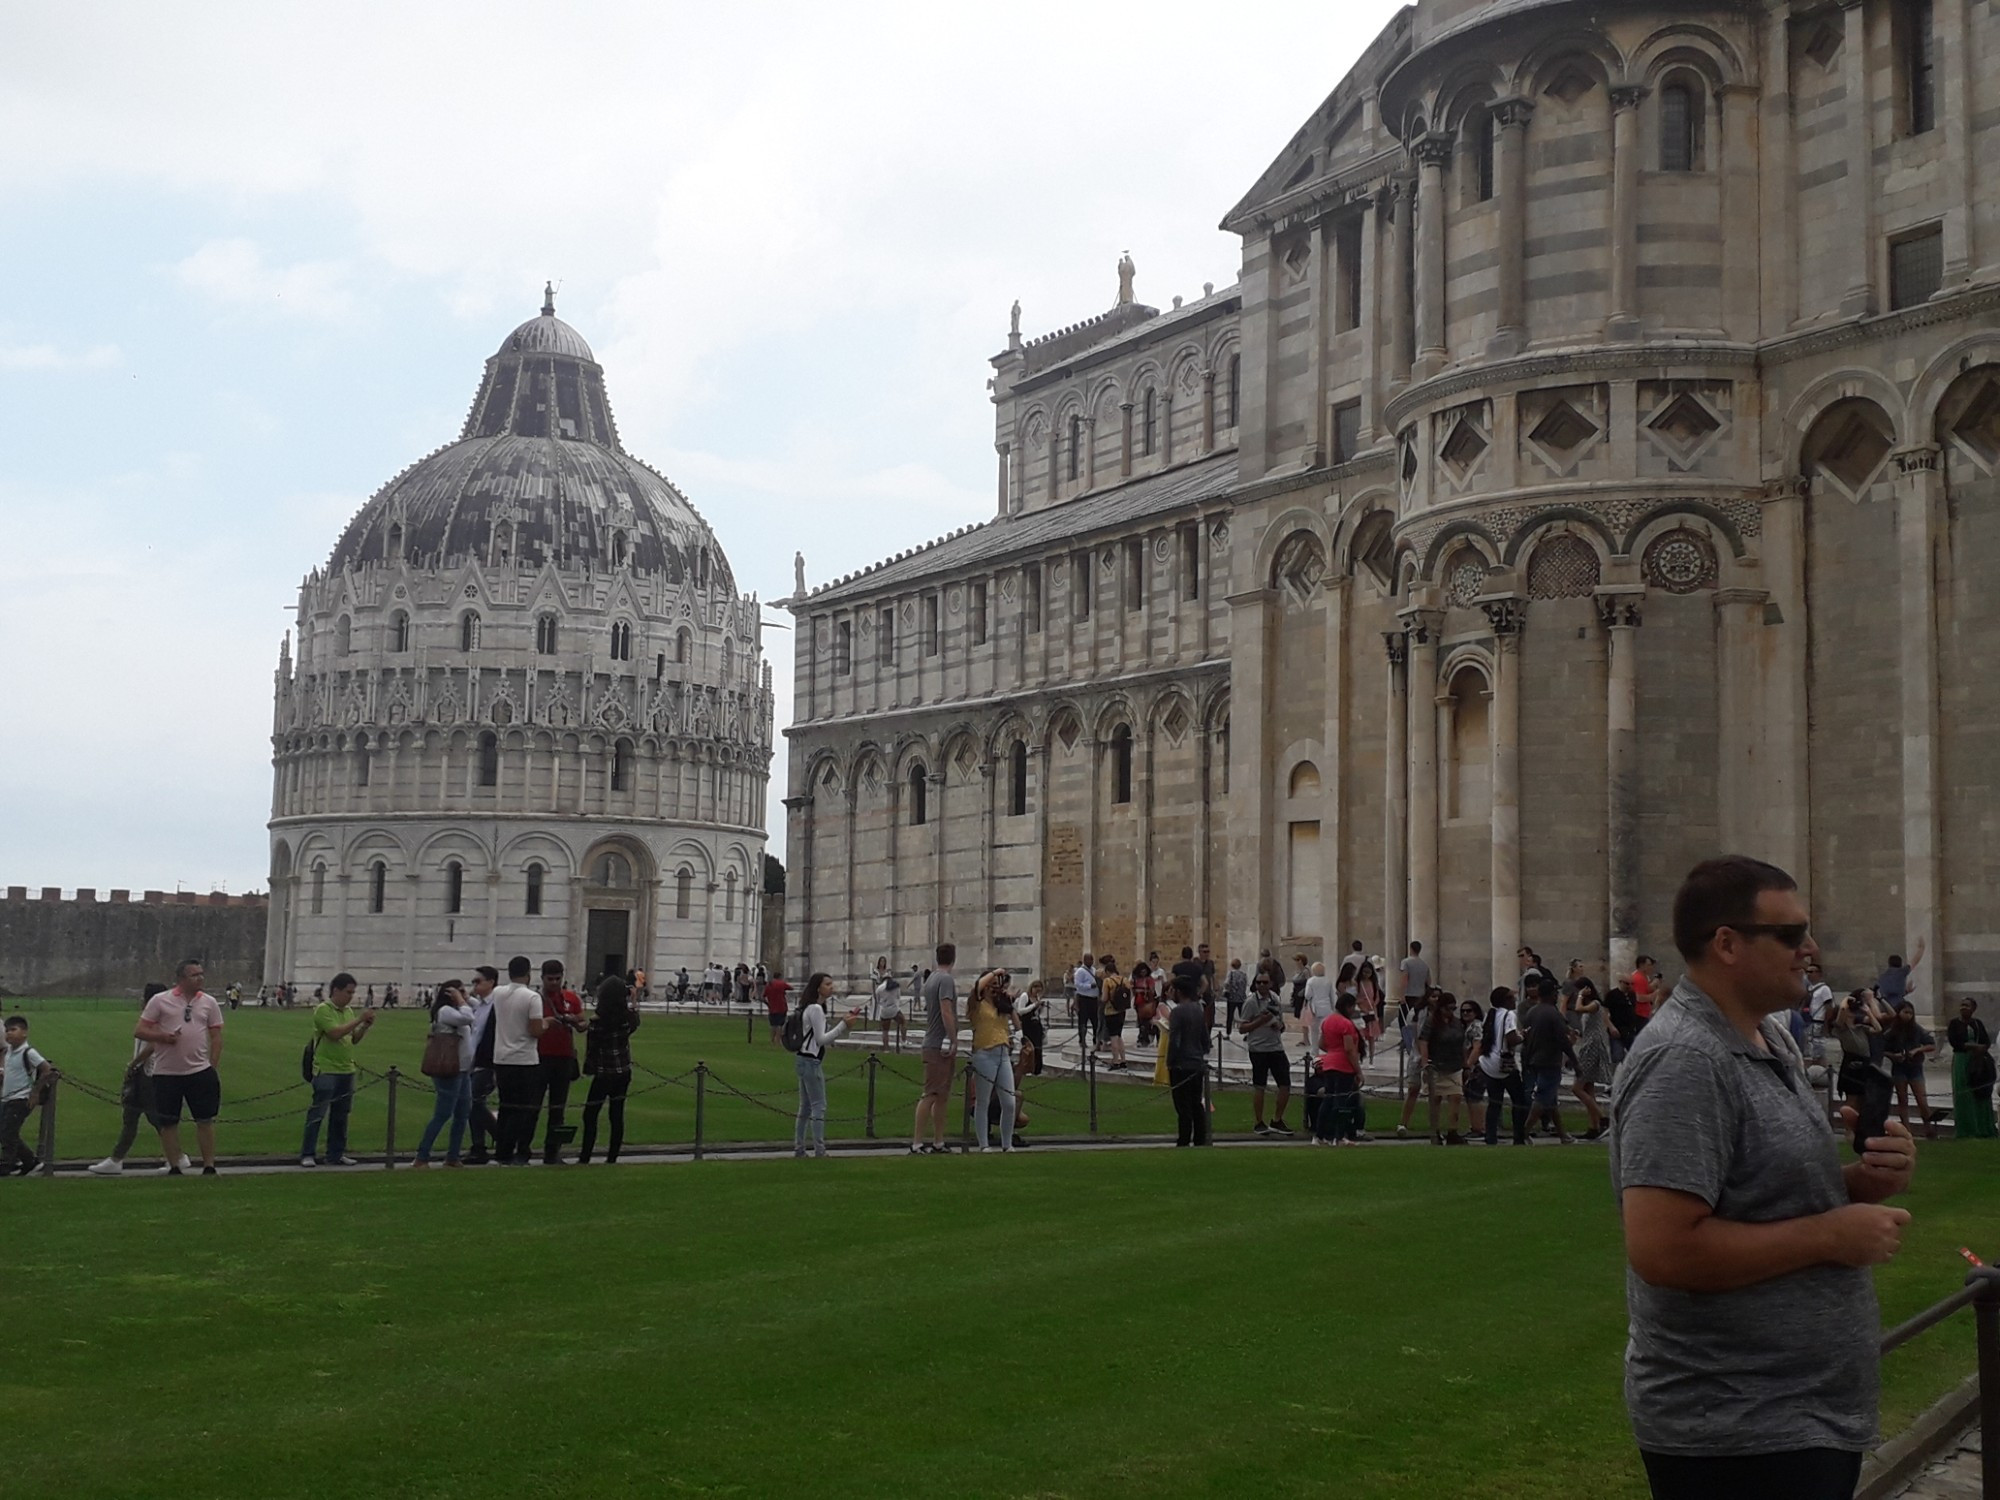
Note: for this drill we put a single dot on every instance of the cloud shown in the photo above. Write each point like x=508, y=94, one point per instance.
x=49, y=357
x=233, y=271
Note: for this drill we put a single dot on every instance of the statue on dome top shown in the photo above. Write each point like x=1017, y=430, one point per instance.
x=1126, y=271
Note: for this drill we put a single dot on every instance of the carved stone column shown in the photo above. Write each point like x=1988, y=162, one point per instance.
x=1424, y=628
x=1250, y=643
x=1333, y=726
x=1125, y=440
x=1373, y=301
x=1142, y=872
x=1742, y=806
x=1400, y=203
x=989, y=786
x=1623, y=324
x=1092, y=757
x=1510, y=118
x=1004, y=476
x=1433, y=152
x=1784, y=724
x=1857, y=232
x=1395, y=799
x=1507, y=616
x=1620, y=613
x=1089, y=456
x=938, y=902
x=1919, y=528
x=1208, y=411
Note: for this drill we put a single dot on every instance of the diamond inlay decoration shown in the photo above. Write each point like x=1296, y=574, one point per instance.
x=1824, y=46
x=1978, y=426
x=1299, y=566
x=1175, y=724
x=1570, y=85
x=1564, y=429
x=1563, y=567
x=1066, y=733
x=1682, y=428
x=1680, y=561
x=1463, y=446
x=1848, y=446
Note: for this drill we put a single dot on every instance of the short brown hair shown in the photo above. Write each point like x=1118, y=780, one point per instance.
x=1722, y=893
x=947, y=953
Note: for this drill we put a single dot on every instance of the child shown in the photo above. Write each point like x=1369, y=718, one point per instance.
x=22, y=1080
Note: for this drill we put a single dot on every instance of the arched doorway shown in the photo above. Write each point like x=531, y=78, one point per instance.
x=616, y=909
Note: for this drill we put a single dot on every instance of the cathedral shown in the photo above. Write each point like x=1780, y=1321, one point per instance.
x=529, y=711
x=1593, y=467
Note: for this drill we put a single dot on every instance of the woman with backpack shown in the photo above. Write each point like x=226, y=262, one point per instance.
x=1117, y=999
x=607, y=1059
x=450, y=1045
x=808, y=1035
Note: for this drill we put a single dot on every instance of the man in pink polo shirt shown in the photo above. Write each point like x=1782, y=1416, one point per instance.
x=185, y=1027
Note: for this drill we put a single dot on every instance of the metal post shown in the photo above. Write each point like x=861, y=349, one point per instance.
x=48, y=1139
x=395, y=1080
x=1090, y=1062
x=1986, y=1320
x=871, y=1096
x=700, y=1104
x=750, y=1027
x=965, y=1139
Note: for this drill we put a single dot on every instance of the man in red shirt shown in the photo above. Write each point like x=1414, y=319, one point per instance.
x=1644, y=979
x=774, y=1002
x=557, y=1046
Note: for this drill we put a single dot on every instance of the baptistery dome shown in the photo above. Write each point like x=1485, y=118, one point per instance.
x=528, y=711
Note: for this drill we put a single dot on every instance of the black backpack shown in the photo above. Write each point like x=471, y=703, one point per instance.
x=482, y=1050
x=794, y=1034
x=308, y=1057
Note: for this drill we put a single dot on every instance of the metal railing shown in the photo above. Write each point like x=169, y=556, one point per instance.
x=1981, y=1293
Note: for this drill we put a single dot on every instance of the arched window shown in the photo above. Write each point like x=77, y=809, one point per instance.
x=545, y=635
x=319, y=889
x=1075, y=446
x=617, y=549
x=468, y=631
x=683, y=646
x=621, y=640
x=489, y=759
x=621, y=765
x=660, y=666
x=378, y=887
x=399, y=631
x=728, y=659
x=1151, y=421
x=1235, y=387
x=535, y=873
x=1680, y=127
x=343, y=631
x=729, y=897
x=1305, y=779
x=1121, y=764
x=920, y=789
x=1017, y=797
x=454, y=887
x=683, y=892
x=1482, y=156
x=360, y=762
x=394, y=552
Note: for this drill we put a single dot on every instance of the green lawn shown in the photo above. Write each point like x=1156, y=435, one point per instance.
x=1391, y=1322
x=90, y=1041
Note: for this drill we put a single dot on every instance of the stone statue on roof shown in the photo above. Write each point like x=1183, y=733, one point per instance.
x=799, y=575
x=1014, y=322
x=1126, y=271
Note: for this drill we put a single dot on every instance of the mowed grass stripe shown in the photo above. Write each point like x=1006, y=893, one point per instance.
x=1383, y=1322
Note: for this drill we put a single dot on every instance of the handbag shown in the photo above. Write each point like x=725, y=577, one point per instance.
x=441, y=1055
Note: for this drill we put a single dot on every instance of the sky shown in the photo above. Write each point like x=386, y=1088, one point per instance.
x=253, y=257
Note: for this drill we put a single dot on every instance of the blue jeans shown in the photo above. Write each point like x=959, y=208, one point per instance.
x=333, y=1093
x=454, y=1103
x=993, y=1069
x=812, y=1105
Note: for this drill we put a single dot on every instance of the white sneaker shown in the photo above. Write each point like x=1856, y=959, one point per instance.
x=307, y=1161
x=184, y=1164
x=111, y=1166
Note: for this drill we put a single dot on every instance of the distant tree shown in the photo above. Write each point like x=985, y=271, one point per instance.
x=774, y=875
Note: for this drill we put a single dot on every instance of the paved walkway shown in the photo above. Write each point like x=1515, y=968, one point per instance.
x=1952, y=1476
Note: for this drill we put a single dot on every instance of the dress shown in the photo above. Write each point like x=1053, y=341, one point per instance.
x=1593, y=1049
x=1971, y=1112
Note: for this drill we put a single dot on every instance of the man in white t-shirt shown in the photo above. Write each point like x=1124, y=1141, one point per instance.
x=185, y=1028
x=518, y=1022
x=1083, y=987
x=1498, y=1044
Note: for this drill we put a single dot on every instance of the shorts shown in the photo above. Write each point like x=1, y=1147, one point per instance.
x=889, y=1010
x=1443, y=1083
x=777, y=1022
x=937, y=1074
x=1909, y=1072
x=201, y=1092
x=1544, y=1086
x=1114, y=1023
x=1270, y=1067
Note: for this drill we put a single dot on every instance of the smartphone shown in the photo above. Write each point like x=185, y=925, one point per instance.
x=1871, y=1112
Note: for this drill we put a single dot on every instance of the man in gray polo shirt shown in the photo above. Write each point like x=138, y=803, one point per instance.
x=1752, y=1367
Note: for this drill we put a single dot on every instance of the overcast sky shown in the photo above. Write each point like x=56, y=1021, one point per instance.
x=252, y=258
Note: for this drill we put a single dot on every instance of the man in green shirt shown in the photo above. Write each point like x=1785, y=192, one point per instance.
x=336, y=1029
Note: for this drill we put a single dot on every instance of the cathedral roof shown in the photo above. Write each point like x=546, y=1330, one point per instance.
x=538, y=474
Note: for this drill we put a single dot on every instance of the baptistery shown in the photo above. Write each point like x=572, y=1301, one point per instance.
x=527, y=711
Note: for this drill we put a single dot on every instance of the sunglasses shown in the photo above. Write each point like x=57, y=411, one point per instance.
x=1790, y=934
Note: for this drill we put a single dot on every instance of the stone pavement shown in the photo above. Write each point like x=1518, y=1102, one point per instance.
x=1954, y=1475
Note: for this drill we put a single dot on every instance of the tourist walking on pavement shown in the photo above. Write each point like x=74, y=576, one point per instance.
x=453, y=1018
x=1585, y=1015
x=337, y=1030
x=1412, y=1015
x=1116, y=997
x=1498, y=1045
x=1084, y=1001
x=24, y=1077
x=940, y=995
x=562, y=1008
x=1753, y=1362
x=1264, y=1027
x=185, y=1027
x=135, y=1100
x=1319, y=1004
x=1972, y=1073
x=1441, y=1046
x=1339, y=1072
x=518, y=1023
x=1235, y=992
x=1368, y=1004
x=607, y=1059
x=1545, y=1046
x=1907, y=1045
x=991, y=1012
x=814, y=1036
x=1187, y=1062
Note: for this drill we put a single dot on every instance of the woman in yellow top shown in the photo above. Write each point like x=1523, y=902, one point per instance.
x=992, y=1016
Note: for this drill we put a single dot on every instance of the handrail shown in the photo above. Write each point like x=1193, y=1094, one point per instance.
x=1930, y=1317
x=1981, y=1293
